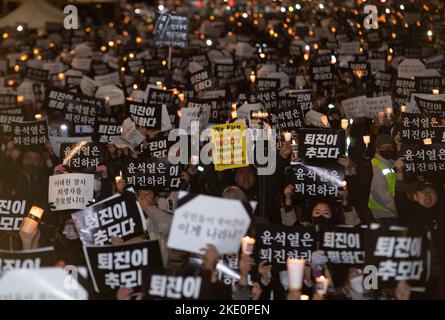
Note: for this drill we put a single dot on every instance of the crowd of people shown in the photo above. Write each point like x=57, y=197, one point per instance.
x=377, y=187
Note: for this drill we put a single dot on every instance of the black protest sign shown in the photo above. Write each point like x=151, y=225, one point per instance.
x=381, y=84
x=238, y=76
x=37, y=75
x=171, y=31
x=8, y=101
x=416, y=127
x=105, y=132
x=158, y=148
x=322, y=74
x=316, y=182
x=300, y=98
x=398, y=255
x=428, y=84
x=16, y=112
x=402, y=89
x=6, y=121
x=152, y=66
x=27, y=259
x=269, y=99
x=276, y=243
x=425, y=159
x=224, y=70
x=126, y=265
x=200, y=80
x=80, y=112
x=157, y=97
x=184, y=287
x=287, y=120
x=82, y=156
x=268, y=83
x=343, y=245
x=151, y=173
x=320, y=145
x=149, y=117
x=117, y=216
x=56, y=99
x=219, y=111
x=32, y=133
x=360, y=69
x=432, y=107
x=12, y=213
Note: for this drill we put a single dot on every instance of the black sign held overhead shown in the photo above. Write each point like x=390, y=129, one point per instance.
x=267, y=83
x=28, y=259
x=106, y=132
x=399, y=255
x=276, y=243
x=157, y=97
x=268, y=98
x=416, y=127
x=32, y=133
x=343, y=245
x=80, y=113
x=322, y=74
x=287, y=120
x=402, y=89
x=126, y=265
x=316, y=182
x=155, y=173
x=39, y=90
x=158, y=148
x=37, y=75
x=224, y=70
x=171, y=30
x=380, y=84
x=238, y=76
x=8, y=101
x=149, y=117
x=360, y=69
x=12, y=213
x=119, y=215
x=319, y=146
x=82, y=156
x=298, y=98
x=6, y=120
x=166, y=286
x=432, y=107
x=425, y=159
x=201, y=80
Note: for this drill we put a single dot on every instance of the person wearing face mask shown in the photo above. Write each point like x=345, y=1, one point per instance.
x=32, y=182
x=322, y=214
x=381, y=198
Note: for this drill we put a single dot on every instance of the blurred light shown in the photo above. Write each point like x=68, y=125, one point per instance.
x=331, y=106
x=19, y=28
x=402, y=7
x=430, y=33
x=333, y=59
x=297, y=6
x=283, y=9
x=103, y=48
x=17, y=68
x=63, y=127
x=321, y=6
x=138, y=40
x=161, y=7
x=137, y=11
x=38, y=116
x=245, y=15
x=209, y=42
x=388, y=11
x=110, y=43
x=307, y=47
x=5, y=35
x=61, y=76
x=20, y=99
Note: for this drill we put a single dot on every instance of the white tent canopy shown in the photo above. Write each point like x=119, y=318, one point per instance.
x=34, y=13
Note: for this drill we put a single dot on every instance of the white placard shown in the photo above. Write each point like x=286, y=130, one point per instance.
x=313, y=118
x=377, y=104
x=88, y=86
x=201, y=114
x=352, y=47
x=354, y=107
x=409, y=68
x=81, y=64
x=109, y=78
x=41, y=284
x=243, y=112
x=194, y=225
x=115, y=95
x=70, y=191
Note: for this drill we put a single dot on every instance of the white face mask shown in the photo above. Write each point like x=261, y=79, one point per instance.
x=284, y=278
x=97, y=185
x=70, y=232
x=357, y=284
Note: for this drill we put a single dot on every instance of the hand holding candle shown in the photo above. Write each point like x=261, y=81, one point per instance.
x=366, y=140
x=247, y=244
x=31, y=222
x=295, y=269
x=287, y=136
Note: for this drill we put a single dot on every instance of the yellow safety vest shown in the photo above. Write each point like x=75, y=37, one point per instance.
x=390, y=177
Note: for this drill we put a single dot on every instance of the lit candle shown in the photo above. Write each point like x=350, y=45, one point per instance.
x=247, y=244
x=287, y=136
x=388, y=112
x=38, y=116
x=118, y=178
x=304, y=297
x=427, y=141
x=344, y=124
x=295, y=269
x=31, y=222
x=181, y=97
x=20, y=99
x=366, y=140
x=435, y=91
x=403, y=108
x=252, y=77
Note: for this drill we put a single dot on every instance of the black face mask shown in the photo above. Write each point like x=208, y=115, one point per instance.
x=321, y=221
x=388, y=154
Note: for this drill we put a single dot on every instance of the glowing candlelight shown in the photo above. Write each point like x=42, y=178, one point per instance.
x=247, y=244
x=366, y=140
x=287, y=136
x=344, y=124
x=295, y=269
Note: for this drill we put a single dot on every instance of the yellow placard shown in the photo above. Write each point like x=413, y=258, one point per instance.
x=229, y=146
